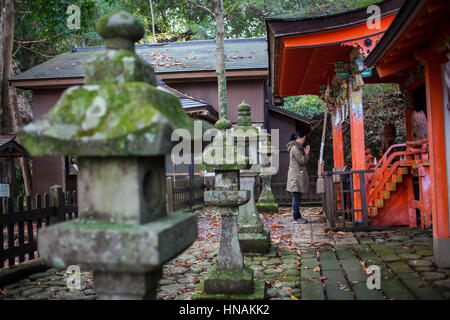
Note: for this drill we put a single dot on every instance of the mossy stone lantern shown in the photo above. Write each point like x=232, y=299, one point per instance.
x=253, y=238
x=119, y=126
x=229, y=276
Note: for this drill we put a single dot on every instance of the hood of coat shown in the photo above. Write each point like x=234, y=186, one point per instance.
x=292, y=144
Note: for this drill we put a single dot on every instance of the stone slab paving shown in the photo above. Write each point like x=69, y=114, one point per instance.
x=304, y=263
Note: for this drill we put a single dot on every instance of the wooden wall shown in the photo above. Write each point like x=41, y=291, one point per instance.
x=47, y=171
x=286, y=127
x=252, y=91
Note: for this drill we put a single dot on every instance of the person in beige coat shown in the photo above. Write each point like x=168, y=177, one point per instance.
x=298, y=179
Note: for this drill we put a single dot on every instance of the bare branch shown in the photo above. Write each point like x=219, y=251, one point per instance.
x=34, y=51
x=203, y=7
x=37, y=41
x=30, y=41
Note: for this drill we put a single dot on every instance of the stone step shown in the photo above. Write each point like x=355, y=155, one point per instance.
x=363, y=293
x=366, y=254
x=353, y=269
x=419, y=288
x=399, y=267
x=397, y=178
x=392, y=287
x=312, y=290
x=336, y=286
x=385, y=195
x=386, y=253
x=391, y=186
x=328, y=261
x=379, y=203
x=307, y=267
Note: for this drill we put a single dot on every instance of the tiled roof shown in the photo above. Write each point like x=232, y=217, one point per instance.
x=186, y=56
x=187, y=102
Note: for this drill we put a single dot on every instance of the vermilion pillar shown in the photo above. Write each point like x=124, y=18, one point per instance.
x=358, y=144
x=338, y=143
x=338, y=149
x=438, y=168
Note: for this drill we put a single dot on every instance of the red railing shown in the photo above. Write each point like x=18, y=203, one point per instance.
x=387, y=166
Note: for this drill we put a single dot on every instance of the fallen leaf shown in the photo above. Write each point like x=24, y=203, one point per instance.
x=317, y=269
x=294, y=297
x=323, y=278
x=287, y=288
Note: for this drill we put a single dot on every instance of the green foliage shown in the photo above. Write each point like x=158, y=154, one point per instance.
x=383, y=104
x=41, y=28
x=41, y=25
x=305, y=105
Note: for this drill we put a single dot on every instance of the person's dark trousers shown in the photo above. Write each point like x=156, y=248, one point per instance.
x=296, y=198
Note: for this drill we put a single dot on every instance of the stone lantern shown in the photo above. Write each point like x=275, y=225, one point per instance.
x=266, y=202
x=119, y=126
x=253, y=238
x=229, y=276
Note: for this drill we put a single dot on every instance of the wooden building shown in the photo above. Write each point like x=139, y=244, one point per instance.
x=415, y=50
x=334, y=56
x=188, y=70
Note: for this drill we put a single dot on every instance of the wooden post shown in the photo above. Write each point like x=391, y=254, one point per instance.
x=338, y=143
x=169, y=194
x=438, y=168
x=191, y=192
x=358, y=143
x=11, y=260
x=58, y=202
x=2, y=261
x=338, y=151
x=21, y=226
x=30, y=237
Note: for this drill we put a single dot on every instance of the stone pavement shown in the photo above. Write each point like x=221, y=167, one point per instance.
x=307, y=264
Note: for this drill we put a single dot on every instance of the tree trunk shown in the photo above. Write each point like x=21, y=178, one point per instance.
x=8, y=41
x=2, y=6
x=11, y=118
x=24, y=163
x=223, y=122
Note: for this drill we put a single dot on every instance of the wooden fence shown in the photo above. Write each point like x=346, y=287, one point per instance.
x=184, y=194
x=21, y=218
x=282, y=197
x=339, y=204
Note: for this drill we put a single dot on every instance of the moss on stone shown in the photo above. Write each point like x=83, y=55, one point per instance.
x=267, y=207
x=223, y=124
x=115, y=119
x=257, y=294
x=120, y=24
x=117, y=67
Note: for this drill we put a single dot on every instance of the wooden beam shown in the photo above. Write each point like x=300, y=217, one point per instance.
x=172, y=77
x=401, y=64
x=47, y=83
x=169, y=77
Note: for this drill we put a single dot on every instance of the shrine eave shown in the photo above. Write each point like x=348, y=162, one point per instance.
x=396, y=52
x=302, y=52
